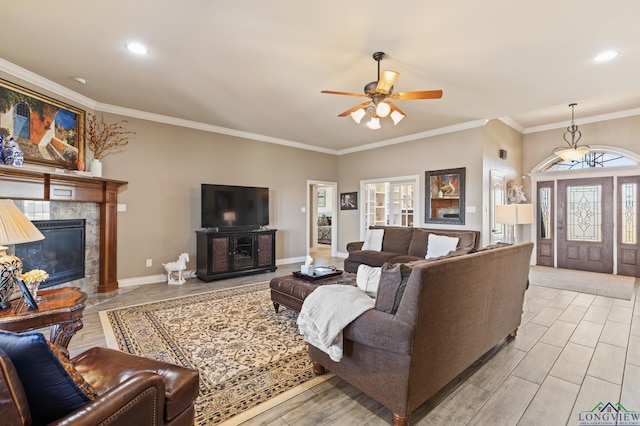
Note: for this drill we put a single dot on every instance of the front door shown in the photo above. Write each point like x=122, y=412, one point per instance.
x=585, y=224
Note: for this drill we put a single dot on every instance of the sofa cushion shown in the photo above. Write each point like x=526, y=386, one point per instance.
x=397, y=239
x=371, y=258
x=63, y=357
x=373, y=239
x=418, y=244
x=393, y=281
x=440, y=245
x=50, y=390
x=368, y=279
x=14, y=408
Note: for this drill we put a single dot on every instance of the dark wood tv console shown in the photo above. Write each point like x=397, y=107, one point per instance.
x=227, y=254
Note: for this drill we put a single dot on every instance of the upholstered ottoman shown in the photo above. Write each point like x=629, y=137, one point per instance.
x=290, y=291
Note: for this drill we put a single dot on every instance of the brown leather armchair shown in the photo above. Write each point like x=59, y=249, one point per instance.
x=131, y=390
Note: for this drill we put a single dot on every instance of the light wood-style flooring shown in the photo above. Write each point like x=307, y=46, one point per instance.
x=573, y=351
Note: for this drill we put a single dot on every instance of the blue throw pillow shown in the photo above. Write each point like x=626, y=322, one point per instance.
x=50, y=390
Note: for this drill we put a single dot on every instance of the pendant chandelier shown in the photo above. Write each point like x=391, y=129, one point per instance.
x=574, y=152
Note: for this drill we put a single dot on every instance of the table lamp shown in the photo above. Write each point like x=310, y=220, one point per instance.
x=15, y=228
x=512, y=215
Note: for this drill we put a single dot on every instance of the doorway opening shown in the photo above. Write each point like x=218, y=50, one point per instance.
x=322, y=220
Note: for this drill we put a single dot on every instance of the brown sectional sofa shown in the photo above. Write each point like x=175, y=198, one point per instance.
x=452, y=312
x=402, y=245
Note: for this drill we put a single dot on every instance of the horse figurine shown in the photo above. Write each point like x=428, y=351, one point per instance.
x=178, y=267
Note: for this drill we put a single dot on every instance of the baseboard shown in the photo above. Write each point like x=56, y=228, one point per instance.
x=149, y=279
x=153, y=279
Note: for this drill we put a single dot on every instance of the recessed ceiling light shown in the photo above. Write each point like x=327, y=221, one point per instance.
x=605, y=56
x=137, y=48
x=80, y=80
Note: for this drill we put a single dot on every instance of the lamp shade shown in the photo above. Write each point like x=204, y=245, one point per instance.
x=396, y=116
x=514, y=214
x=572, y=154
x=374, y=123
x=358, y=115
x=524, y=214
x=15, y=228
x=506, y=214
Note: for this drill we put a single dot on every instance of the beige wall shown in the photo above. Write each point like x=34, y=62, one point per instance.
x=496, y=136
x=453, y=150
x=165, y=166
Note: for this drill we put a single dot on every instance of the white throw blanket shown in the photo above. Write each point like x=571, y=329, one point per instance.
x=328, y=310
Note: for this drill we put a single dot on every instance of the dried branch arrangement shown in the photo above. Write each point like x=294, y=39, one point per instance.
x=104, y=139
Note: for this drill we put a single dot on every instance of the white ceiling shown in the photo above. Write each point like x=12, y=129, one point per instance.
x=258, y=66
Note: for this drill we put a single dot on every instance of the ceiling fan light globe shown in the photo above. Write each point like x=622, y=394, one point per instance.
x=358, y=115
x=383, y=109
x=397, y=116
x=374, y=123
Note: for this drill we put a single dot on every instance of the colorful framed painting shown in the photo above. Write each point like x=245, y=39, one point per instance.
x=47, y=131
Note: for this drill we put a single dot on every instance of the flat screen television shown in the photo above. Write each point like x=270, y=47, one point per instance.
x=234, y=207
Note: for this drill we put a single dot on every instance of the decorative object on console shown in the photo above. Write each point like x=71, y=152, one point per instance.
x=381, y=92
x=33, y=279
x=15, y=228
x=26, y=299
x=574, y=152
x=178, y=267
x=513, y=215
x=105, y=139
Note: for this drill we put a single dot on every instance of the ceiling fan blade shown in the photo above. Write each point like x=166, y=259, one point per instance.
x=425, y=94
x=386, y=82
x=355, y=108
x=332, y=92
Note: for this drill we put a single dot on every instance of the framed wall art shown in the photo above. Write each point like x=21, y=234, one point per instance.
x=349, y=201
x=444, y=196
x=47, y=131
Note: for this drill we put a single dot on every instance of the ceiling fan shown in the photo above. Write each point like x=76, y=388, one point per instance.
x=381, y=93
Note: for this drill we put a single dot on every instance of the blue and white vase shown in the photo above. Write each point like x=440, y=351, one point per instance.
x=12, y=155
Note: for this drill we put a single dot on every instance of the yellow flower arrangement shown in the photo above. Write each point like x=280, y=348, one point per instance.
x=34, y=276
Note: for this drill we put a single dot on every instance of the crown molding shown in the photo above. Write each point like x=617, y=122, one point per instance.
x=586, y=120
x=43, y=83
x=416, y=136
x=165, y=119
x=512, y=123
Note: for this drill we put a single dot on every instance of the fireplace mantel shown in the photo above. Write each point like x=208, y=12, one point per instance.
x=24, y=184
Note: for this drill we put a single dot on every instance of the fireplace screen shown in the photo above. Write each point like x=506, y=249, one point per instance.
x=60, y=254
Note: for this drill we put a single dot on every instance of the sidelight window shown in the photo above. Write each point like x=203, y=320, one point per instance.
x=629, y=213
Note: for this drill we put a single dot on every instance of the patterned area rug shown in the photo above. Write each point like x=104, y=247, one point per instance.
x=245, y=353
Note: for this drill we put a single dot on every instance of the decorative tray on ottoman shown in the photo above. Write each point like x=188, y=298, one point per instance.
x=319, y=273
